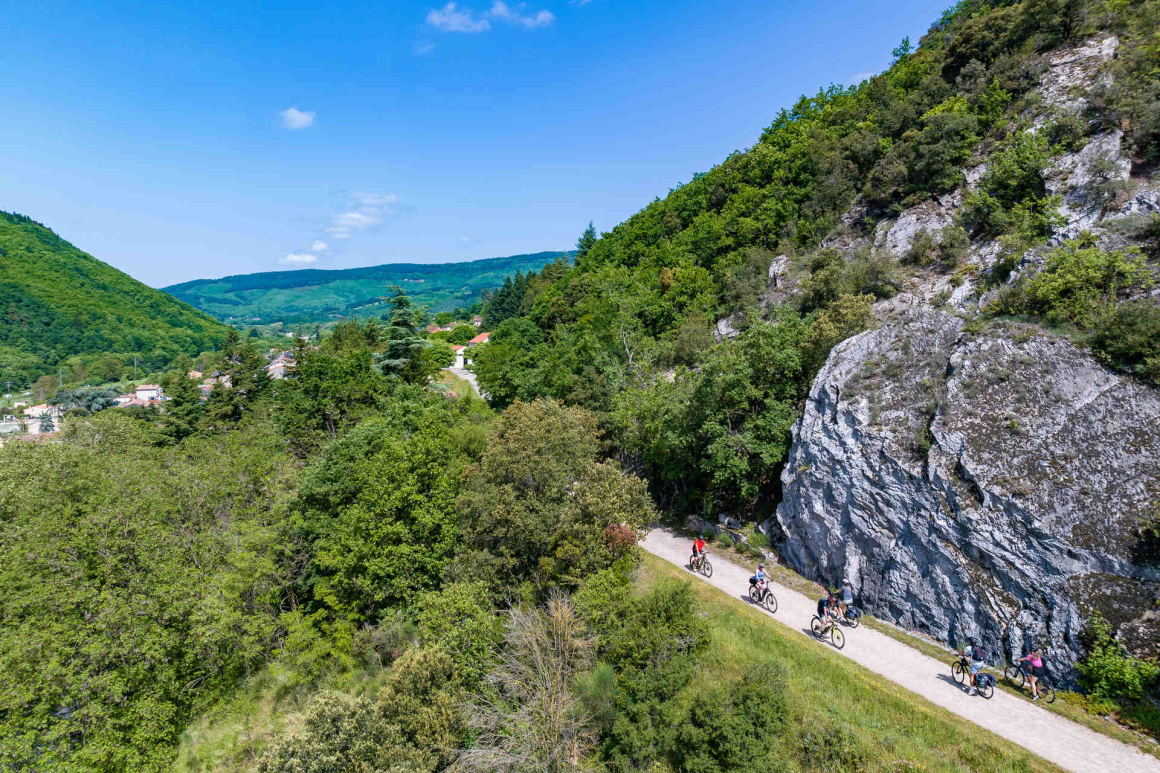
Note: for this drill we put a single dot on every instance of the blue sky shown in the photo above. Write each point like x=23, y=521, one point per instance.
x=198, y=140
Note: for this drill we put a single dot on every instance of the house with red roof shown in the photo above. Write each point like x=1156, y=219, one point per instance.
x=479, y=339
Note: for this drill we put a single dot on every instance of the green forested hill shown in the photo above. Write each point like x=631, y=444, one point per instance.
x=58, y=301
x=315, y=295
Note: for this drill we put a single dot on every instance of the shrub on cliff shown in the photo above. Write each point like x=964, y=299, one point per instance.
x=1108, y=671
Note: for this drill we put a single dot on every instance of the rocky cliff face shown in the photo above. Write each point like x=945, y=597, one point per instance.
x=978, y=483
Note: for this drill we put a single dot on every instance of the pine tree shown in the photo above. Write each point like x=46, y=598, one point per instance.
x=403, y=354
x=585, y=242
x=46, y=424
x=183, y=408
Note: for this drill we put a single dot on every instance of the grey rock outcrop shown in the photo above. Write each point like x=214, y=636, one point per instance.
x=978, y=484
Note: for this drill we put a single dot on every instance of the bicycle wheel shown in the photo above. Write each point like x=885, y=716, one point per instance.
x=837, y=637
x=816, y=626
x=693, y=563
x=987, y=690
x=958, y=672
x=770, y=602
x=854, y=621
x=754, y=594
x=1046, y=692
x=706, y=568
x=1014, y=675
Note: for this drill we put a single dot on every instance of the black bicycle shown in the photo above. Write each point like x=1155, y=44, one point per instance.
x=984, y=682
x=1015, y=674
x=853, y=616
x=701, y=565
x=764, y=598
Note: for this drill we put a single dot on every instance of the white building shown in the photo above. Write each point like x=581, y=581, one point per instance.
x=148, y=392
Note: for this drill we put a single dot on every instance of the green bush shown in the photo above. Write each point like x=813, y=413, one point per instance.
x=423, y=697
x=1107, y=671
x=342, y=734
x=733, y=727
x=1078, y=282
x=459, y=620
x=832, y=749
x=759, y=540
x=1011, y=198
x=1128, y=338
x=724, y=540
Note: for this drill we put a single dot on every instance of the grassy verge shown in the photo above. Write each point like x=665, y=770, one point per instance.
x=869, y=722
x=458, y=386
x=234, y=735
x=1077, y=713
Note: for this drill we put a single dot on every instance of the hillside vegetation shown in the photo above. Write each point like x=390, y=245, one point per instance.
x=313, y=295
x=58, y=302
x=352, y=570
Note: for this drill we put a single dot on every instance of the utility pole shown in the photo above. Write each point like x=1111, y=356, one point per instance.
x=60, y=376
x=134, y=367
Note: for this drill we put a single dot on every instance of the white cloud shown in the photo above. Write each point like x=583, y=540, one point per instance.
x=293, y=118
x=450, y=19
x=375, y=200
x=319, y=246
x=464, y=239
x=298, y=259
x=424, y=47
x=500, y=10
x=369, y=209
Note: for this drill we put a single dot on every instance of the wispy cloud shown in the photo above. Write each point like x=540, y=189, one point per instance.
x=464, y=239
x=368, y=209
x=298, y=259
x=450, y=19
x=858, y=77
x=500, y=10
x=293, y=118
x=319, y=246
x=424, y=47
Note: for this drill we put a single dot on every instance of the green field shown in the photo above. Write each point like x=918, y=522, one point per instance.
x=313, y=295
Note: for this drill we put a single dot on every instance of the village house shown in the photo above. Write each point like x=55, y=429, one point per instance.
x=458, y=355
x=477, y=320
x=148, y=392
x=479, y=339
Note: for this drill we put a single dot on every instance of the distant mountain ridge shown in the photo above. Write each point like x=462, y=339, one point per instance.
x=315, y=295
x=58, y=301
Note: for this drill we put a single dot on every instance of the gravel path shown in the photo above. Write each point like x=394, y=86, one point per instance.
x=1069, y=745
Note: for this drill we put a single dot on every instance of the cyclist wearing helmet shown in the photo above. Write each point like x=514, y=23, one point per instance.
x=975, y=653
x=847, y=597
x=761, y=577
x=698, y=548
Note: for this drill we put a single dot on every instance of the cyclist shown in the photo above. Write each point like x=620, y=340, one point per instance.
x=761, y=577
x=827, y=608
x=975, y=653
x=847, y=598
x=1033, y=668
x=699, y=549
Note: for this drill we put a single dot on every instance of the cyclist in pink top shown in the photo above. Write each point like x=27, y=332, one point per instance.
x=1033, y=668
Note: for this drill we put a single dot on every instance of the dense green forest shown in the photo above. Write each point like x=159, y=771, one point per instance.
x=59, y=302
x=313, y=295
x=353, y=570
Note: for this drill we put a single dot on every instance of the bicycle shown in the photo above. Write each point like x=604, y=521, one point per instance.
x=763, y=598
x=820, y=630
x=701, y=565
x=984, y=682
x=853, y=616
x=1015, y=675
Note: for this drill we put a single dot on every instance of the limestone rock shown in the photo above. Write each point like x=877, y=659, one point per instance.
x=985, y=485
